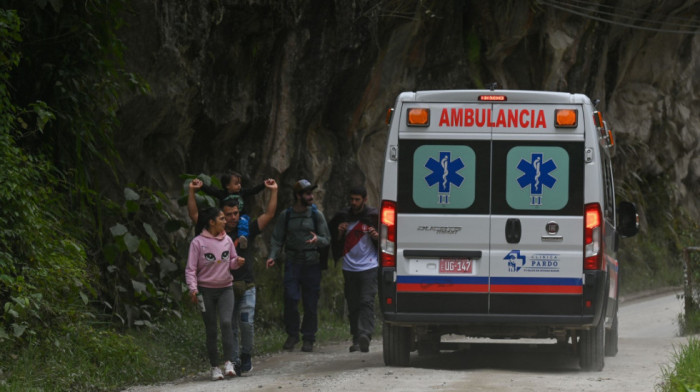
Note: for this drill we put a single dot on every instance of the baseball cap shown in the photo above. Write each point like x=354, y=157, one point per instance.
x=303, y=186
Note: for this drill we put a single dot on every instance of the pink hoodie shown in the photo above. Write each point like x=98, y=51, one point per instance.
x=210, y=260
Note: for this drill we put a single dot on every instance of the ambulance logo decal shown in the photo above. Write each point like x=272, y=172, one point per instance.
x=444, y=173
x=541, y=262
x=516, y=261
x=537, y=176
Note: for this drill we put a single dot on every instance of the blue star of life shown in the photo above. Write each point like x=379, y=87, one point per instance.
x=536, y=175
x=444, y=173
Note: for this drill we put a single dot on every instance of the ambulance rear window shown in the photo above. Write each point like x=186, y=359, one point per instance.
x=445, y=175
x=537, y=177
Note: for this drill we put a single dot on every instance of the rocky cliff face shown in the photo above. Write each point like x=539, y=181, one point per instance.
x=296, y=88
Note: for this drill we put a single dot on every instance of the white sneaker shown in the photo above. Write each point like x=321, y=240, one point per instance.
x=216, y=374
x=228, y=369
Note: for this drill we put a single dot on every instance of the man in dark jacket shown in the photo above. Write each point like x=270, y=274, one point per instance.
x=301, y=230
x=355, y=240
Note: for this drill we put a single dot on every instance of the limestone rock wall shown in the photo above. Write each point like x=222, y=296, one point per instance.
x=300, y=88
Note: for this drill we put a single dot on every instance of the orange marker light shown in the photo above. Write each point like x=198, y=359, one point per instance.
x=419, y=117
x=566, y=118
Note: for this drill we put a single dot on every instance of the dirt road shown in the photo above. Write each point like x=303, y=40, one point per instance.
x=648, y=336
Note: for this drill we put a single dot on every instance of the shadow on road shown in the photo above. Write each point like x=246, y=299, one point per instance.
x=522, y=357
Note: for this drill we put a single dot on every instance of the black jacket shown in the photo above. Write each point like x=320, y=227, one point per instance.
x=368, y=216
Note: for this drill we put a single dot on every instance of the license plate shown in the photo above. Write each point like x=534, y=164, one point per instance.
x=456, y=266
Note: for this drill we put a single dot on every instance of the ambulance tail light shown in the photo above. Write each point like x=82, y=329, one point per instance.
x=418, y=117
x=593, y=238
x=387, y=234
x=566, y=118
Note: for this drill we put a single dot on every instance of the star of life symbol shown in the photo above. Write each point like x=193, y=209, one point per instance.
x=444, y=173
x=536, y=175
x=516, y=261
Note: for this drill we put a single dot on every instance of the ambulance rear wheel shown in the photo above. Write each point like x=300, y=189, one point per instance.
x=592, y=347
x=396, y=345
x=611, y=339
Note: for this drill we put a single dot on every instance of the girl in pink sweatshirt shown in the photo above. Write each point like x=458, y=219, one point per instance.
x=212, y=255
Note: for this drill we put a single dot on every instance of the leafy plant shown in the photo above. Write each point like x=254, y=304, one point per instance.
x=143, y=273
x=43, y=269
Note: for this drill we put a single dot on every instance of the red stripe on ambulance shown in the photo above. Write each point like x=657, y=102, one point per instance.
x=505, y=118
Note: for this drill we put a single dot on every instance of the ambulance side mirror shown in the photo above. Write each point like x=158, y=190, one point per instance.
x=628, y=219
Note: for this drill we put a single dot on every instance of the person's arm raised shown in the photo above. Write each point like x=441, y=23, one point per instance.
x=269, y=213
x=194, y=186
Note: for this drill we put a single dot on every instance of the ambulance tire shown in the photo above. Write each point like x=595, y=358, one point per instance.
x=592, y=347
x=611, y=339
x=396, y=345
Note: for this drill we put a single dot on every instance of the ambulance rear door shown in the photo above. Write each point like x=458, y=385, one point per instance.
x=443, y=198
x=536, y=227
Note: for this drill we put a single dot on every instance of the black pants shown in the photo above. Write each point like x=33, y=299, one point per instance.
x=360, y=291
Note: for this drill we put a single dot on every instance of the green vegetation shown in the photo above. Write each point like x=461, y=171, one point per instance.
x=97, y=358
x=685, y=374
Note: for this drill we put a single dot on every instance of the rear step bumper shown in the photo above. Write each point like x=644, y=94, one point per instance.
x=561, y=321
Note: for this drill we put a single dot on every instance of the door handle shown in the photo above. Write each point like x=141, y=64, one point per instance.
x=513, y=230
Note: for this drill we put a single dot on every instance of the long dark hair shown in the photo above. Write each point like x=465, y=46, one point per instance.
x=203, y=218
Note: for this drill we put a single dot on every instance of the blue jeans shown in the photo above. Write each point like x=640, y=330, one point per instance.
x=301, y=282
x=218, y=304
x=243, y=318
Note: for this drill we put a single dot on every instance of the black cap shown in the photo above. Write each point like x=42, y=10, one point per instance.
x=303, y=186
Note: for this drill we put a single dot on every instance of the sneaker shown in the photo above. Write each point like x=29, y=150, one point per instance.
x=308, y=346
x=354, y=347
x=237, y=367
x=216, y=374
x=364, y=343
x=242, y=242
x=246, y=363
x=291, y=342
x=229, y=370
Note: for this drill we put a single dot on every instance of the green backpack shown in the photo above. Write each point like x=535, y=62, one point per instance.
x=324, y=251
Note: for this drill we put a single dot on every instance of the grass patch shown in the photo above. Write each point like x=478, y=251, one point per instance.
x=685, y=374
x=689, y=323
x=646, y=265
x=81, y=358
x=86, y=358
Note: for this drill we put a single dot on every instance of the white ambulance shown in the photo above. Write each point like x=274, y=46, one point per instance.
x=498, y=220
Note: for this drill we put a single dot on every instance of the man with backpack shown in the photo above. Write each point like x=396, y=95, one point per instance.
x=303, y=232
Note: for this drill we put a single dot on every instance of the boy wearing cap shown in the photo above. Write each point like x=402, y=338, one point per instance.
x=301, y=230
